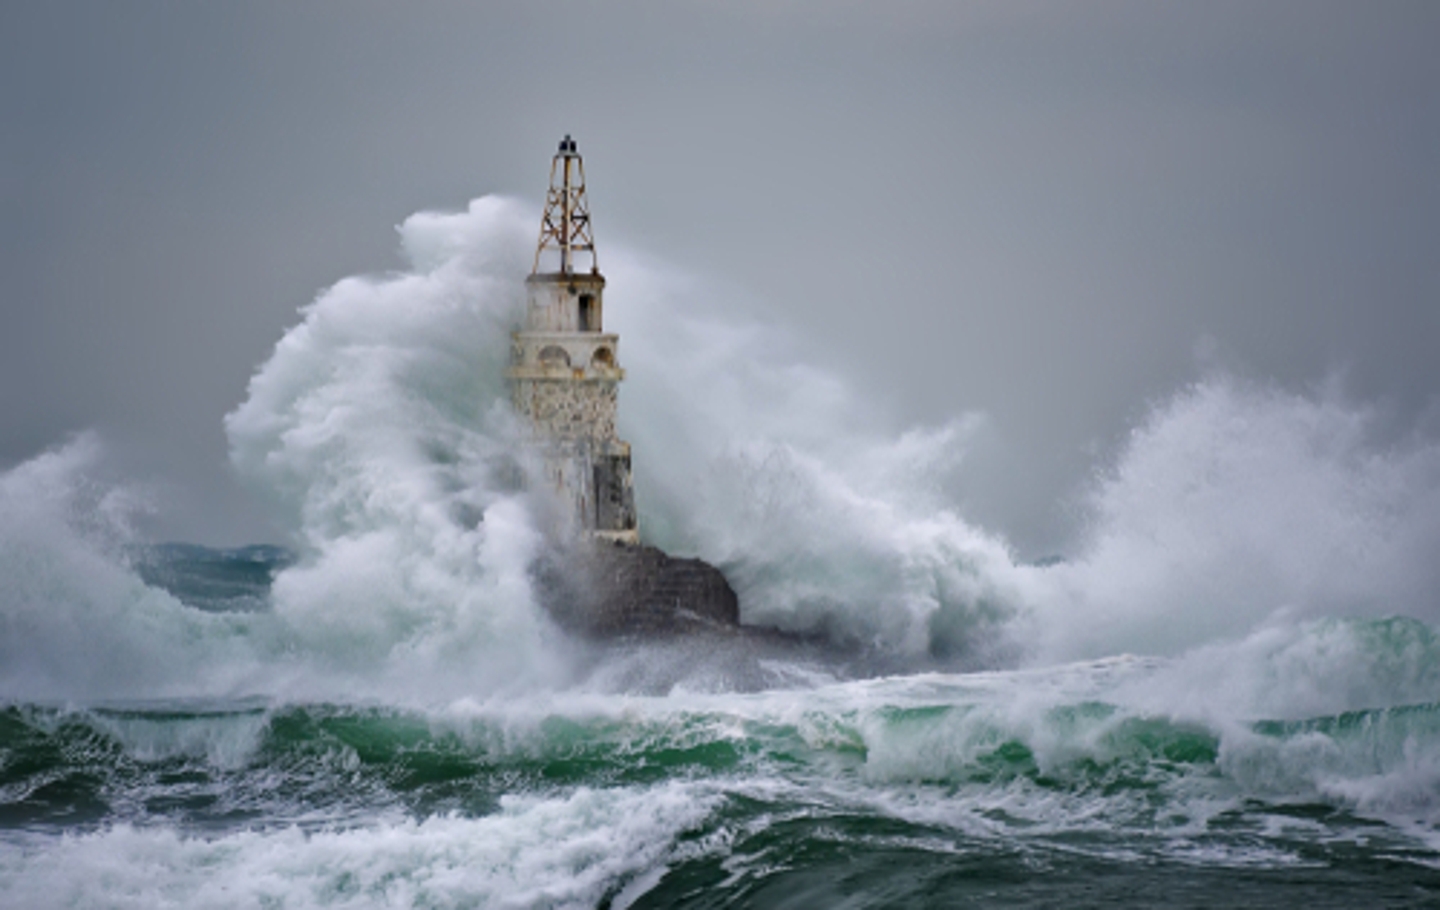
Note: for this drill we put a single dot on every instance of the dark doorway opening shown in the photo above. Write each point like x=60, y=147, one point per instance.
x=589, y=316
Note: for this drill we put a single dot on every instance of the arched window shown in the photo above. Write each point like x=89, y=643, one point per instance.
x=552, y=355
x=603, y=357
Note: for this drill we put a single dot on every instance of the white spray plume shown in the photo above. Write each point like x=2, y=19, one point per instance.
x=380, y=424
x=1238, y=505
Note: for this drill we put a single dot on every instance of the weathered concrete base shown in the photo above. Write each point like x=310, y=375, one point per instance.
x=607, y=590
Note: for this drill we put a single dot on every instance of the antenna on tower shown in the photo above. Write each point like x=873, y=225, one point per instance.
x=566, y=223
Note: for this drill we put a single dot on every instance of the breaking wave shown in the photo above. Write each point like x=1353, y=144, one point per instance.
x=75, y=620
x=379, y=426
x=1236, y=668
x=1235, y=506
x=587, y=800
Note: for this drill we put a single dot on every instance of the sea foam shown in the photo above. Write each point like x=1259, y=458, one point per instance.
x=379, y=428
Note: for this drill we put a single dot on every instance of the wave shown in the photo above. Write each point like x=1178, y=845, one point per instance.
x=379, y=425
x=1236, y=518
x=75, y=620
x=536, y=850
x=1235, y=505
x=582, y=798
x=1094, y=729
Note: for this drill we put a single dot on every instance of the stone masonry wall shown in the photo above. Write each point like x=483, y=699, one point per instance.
x=566, y=408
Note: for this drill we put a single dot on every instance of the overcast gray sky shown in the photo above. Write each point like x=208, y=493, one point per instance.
x=1038, y=210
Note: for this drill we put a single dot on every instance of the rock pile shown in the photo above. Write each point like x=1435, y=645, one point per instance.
x=606, y=590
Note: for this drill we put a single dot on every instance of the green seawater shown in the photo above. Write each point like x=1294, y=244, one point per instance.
x=878, y=806
x=1096, y=784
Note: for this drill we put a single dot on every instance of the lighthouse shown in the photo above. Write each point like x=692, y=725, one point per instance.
x=565, y=371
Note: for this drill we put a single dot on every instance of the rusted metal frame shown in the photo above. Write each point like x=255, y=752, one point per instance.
x=571, y=231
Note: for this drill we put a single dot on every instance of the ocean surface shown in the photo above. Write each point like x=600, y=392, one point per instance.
x=1043, y=787
x=1225, y=692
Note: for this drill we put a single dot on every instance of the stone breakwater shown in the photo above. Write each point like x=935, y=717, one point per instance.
x=604, y=590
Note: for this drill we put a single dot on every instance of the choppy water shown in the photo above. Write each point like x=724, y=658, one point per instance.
x=1072, y=784
x=1228, y=692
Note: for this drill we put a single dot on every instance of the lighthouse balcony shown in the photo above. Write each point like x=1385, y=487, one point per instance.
x=565, y=355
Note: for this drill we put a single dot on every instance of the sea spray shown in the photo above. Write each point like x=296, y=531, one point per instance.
x=75, y=621
x=824, y=517
x=380, y=423
x=1234, y=505
x=401, y=726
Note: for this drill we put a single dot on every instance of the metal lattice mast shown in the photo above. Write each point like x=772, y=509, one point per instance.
x=566, y=223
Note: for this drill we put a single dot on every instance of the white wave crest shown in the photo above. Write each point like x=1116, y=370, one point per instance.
x=75, y=622
x=1234, y=506
x=569, y=850
x=379, y=423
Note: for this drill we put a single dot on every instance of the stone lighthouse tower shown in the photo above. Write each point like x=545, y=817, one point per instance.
x=564, y=370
